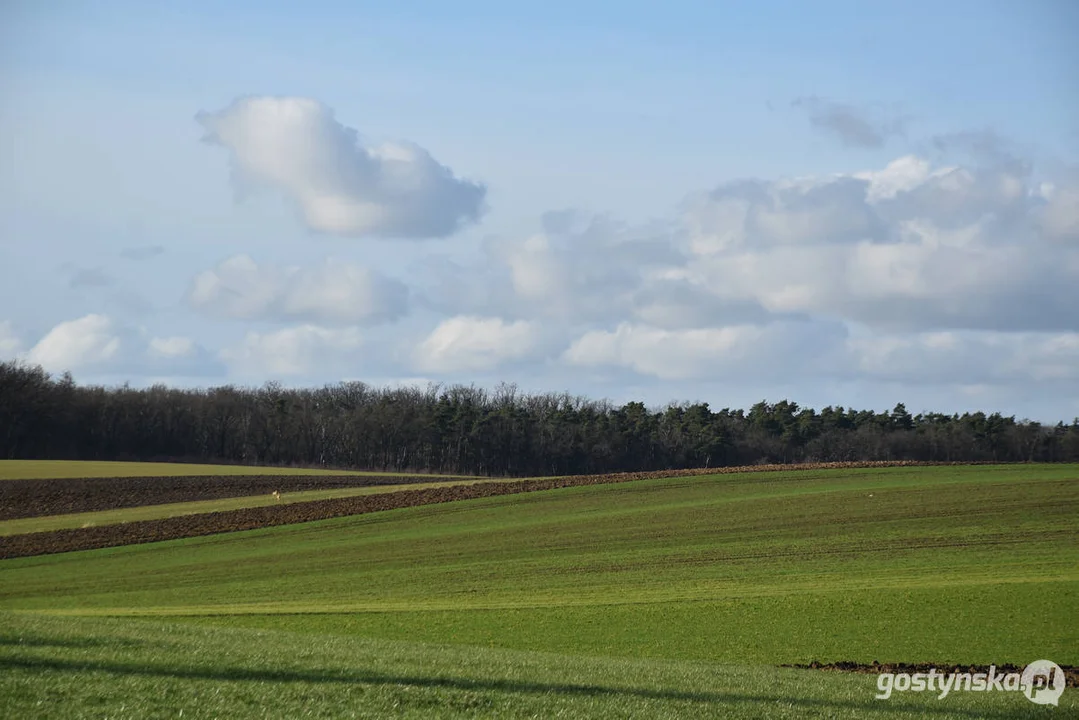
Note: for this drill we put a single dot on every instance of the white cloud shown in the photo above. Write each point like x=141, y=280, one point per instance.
x=914, y=276
x=473, y=344
x=10, y=342
x=780, y=352
x=176, y=356
x=90, y=341
x=342, y=185
x=967, y=357
x=908, y=246
x=901, y=175
x=102, y=349
x=294, y=351
x=237, y=288
x=759, y=214
x=334, y=292
x=172, y=347
x=581, y=269
x=1060, y=216
x=912, y=273
x=738, y=350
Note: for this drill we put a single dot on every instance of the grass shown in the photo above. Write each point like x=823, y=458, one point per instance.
x=65, y=667
x=157, y=512
x=667, y=597
x=36, y=469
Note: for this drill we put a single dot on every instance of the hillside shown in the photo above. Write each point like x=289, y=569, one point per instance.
x=943, y=565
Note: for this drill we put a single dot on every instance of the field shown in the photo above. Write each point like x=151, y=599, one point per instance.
x=52, y=515
x=124, y=669
x=666, y=597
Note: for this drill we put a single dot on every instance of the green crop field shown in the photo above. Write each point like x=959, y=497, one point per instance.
x=30, y=469
x=93, y=668
x=654, y=598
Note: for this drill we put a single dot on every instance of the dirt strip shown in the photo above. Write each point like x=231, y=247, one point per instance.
x=39, y=498
x=1071, y=672
x=58, y=541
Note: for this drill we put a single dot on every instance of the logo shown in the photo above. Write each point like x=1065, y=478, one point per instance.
x=1042, y=681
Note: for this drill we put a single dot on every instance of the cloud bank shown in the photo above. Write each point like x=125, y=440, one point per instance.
x=921, y=274
x=917, y=273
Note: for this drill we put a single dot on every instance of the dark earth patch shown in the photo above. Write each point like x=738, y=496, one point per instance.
x=38, y=498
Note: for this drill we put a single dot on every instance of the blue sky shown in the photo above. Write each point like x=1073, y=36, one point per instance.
x=131, y=251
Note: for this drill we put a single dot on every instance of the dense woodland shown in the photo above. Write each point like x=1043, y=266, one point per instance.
x=470, y=430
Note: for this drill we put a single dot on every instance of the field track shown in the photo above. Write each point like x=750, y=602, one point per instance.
x=58, y=541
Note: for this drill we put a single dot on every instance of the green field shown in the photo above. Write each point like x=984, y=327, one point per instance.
x=654, y=598
x=32, y=469
x=166, y=510
x=93, y=668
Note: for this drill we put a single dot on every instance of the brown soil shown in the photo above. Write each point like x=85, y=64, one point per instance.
x=1071, y=672
x=38, y=498
x=142, y=531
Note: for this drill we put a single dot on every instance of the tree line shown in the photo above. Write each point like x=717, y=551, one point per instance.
x=469, y=430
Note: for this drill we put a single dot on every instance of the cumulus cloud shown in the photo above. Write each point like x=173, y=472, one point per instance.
x=966, y=357
x=294, y=351
x=736, y=350
x=912, y=246
x=917, y=272
x=667, y=302
x=90, y=341
x=176, y=356
x=1059, y=217
x=908, y=246
x=342, y=185
x=475, y=344
x=99, y=346
x=580, y=269
x=759, y=214
x=853, y=126
x=172, y=347
x=334, y=292
x=920, y=272
x=783, y=351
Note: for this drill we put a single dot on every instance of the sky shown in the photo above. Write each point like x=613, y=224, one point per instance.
x=835, y=203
